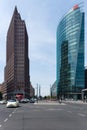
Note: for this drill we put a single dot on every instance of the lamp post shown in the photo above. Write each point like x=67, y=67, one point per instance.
x=50, y=93
x=37, y=92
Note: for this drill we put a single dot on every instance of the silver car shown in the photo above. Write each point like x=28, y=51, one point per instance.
x=3, y=102
x=12, y=103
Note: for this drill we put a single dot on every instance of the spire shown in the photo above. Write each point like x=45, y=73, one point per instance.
x=16, y=13
x=15, y=10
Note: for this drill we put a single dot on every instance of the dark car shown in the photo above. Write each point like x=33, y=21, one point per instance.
x=32, y=101
x=24, y=100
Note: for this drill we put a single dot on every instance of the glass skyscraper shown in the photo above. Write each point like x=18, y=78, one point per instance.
x=70, y=54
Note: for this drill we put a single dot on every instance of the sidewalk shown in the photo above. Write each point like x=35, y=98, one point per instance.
x=73, y=101
x=49, y=102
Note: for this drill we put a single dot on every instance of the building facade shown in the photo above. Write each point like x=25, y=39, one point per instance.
x=32, y=91
x=54, y=90
x=17, y=77
x=0, y=87
x=86, y=77
x=70, y=54
x=3, y=90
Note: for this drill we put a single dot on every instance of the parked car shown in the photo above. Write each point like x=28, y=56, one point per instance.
x=32, y=101
x=12, y=103
x=3, y=102
x=24, y=100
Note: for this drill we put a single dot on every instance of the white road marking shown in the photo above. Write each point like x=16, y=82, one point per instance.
x=80, y=114
x=52, y=109
x=36, y=110
x=10, y=115
x=5, y=119
x=15, y=109
x=13, y=112
x=69, y=111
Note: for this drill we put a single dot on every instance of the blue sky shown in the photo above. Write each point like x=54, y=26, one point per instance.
x=42, y=18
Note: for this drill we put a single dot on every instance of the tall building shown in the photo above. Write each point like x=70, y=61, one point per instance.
x=86, y=77
x=17, y=77
x=70, y=54
x=53, y=90
x=32, y=91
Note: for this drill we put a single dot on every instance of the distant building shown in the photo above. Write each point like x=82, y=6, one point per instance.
x=17, y=79
x=70, y=54
x=86, y=77
x=54, y=90
x=32, y=91
x=4, y=90
x=0, y=87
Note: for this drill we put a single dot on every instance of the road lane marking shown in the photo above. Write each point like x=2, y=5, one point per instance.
x=52, y=109
x=80, y=114
x=69, y=111
x=10, y=115
x=13, y=112
x=6, y=120
x=36, y=109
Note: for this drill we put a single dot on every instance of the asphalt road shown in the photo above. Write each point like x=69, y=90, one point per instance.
x=44, y=117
